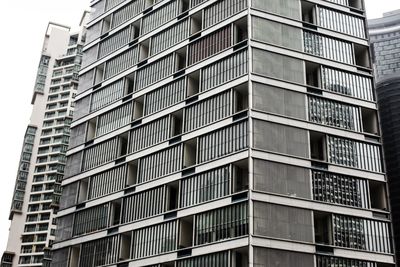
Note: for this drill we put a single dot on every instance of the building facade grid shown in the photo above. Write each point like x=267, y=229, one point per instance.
x=225, y=133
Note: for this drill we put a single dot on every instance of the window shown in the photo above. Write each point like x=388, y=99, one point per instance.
x=159, y=164
x=222, y=10
x=99, y=252
x=347, y=83
x=355, y=154
x=220, y=259
x=159, y=17
x=333, y=113
x=144, y=204
x=164, y=96
x=357, y=233
x=329, y=48
x=93, y=158
x=170, y=37
x=208, y=111
x=339, y=189
x=91, y=220
x=224, y=70
x=213, y=146
x=341, y=22
x=221, y=224
x=107, y=182
x=326, y=261
x=210, y=45
x=154, y=240
x=205, y=186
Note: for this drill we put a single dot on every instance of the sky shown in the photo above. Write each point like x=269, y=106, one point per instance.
x=24, y=24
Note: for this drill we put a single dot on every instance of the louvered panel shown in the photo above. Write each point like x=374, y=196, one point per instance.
x=150, y=134
x=127, y=12
x=340, y=189
x=222, y=10
x=333, y=113
x=341, y=22
x=165, y=96
x=60, y=258
x=114, y=119
x=355, y=154
x=364, y=234
x=155, y=72
x=159, y=17
x=205, y=186
x=327, y=47
x=194, y=3
x=112, y=3
x=107, y=182
x=223, y=142
x=347, y=83
x=155, y=240
x=100, y=252
x=208, y=111
x=339, y=2
x=220, y=259
x=121, y=62
x=210, y=45
x=160, y=164
x=142, y=205
x=224, y=70
x=64, y=227
x=107, y=95
x=100, y=154
x=220, y=224
x=170, y=37
x=90, y=220
x=69, y=195
x=115, y=42
x=327, y=261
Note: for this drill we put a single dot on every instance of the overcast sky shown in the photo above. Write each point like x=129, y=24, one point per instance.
x=24, y=24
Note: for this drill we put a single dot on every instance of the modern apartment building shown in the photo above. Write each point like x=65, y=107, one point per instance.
x=385, y=41
x=225, y=133
x=37, y=189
